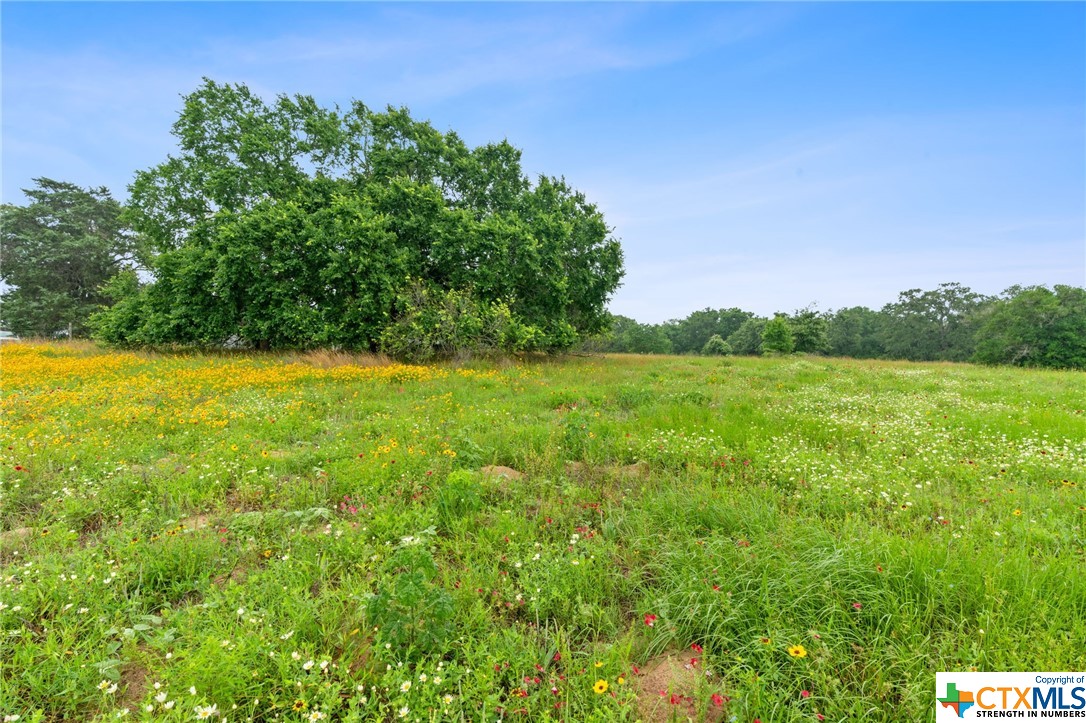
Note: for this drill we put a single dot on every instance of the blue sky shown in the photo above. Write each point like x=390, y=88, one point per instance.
x=766, y=156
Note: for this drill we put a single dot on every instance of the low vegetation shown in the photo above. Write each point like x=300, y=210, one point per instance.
x=1031, y=326
x=335, y=537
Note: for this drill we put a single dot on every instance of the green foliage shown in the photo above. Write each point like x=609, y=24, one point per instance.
x=412, y=613
x=122, y=294
x=430, y=322
x=627, y=336
x=809, y=331
x=855, y=332
x=57, y=251
x=747, y=339
x=1035, y=326
x=936, y=325
x=690, y=335
x=716, y=347
x=458, y=496
x=288, y=225
x=777, y=336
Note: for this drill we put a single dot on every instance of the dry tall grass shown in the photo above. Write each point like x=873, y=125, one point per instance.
x=329, y=358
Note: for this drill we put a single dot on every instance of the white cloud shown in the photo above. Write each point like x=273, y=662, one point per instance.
x=121, y=102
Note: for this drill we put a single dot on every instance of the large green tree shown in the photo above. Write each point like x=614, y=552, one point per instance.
x=935, y=325
x=809, y=331
x=287, y=225
x=1035, y=326
x=747, y=339
x=777, y=337
x=56, y=253
x=856, y=332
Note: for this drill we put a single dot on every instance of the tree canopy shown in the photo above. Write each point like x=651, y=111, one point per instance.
x=56, y=253
x=932, y=325
x=777, y=336
x=1035, y=326
x=288, y=225
x=1028, y=326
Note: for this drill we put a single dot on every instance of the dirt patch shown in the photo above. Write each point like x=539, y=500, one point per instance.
x=133, y=685
x=577, y=469
x=671, y=688
x=196, y=522
x=500, y=471
x=638, y=469
x=7, y=537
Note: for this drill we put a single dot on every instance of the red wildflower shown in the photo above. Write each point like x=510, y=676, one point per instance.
x=695, y=647
x=805, y=693
x=856, y=606
x=718, y=699
x=650, y=619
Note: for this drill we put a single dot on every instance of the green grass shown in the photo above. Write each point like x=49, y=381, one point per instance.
x=213, y=523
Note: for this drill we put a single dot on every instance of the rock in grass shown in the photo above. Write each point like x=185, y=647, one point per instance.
x=501, y=471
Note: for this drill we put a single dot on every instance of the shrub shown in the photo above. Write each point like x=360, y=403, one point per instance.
x=411, y=612
x=777, y=337
x=716, y=347
x=453, y=323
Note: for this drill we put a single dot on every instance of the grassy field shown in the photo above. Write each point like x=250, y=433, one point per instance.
x=327, y=538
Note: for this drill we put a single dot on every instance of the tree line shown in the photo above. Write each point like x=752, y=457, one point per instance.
x=287, y=225
x=1025, y=325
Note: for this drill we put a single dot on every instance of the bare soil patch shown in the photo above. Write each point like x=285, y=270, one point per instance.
x=14, y=535
x=669, y=688
x=500, y=471
x=133, y=685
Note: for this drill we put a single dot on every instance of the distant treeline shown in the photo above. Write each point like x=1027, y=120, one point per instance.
x=1026, y=326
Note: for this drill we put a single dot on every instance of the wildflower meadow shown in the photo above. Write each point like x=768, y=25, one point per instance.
x=328, y=537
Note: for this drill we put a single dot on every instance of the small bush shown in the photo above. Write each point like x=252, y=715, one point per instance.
x=777, y=337
x=412, y=613
x=434, y=323
x=716, y=347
